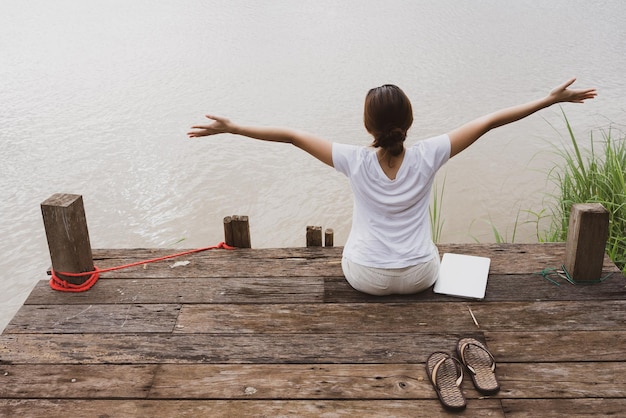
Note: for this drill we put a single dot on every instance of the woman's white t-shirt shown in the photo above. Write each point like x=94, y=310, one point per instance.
x=390, y=225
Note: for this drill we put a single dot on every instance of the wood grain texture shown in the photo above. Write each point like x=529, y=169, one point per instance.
x=44, y=408
x=279, y=332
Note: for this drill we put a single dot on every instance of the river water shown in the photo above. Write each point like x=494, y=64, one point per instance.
x=96, y=98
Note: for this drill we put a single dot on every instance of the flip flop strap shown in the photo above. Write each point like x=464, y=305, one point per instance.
x=457, y=363
x=470, y=368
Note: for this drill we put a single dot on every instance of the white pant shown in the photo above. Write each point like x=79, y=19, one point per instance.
x=392, y=281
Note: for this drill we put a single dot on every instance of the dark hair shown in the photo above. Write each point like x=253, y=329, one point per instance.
x=388, y=115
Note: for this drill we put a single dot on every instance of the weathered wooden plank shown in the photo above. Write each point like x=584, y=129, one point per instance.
x=94, y=318
x=361, y=348
x=112, y=256
x=42, y=408
x=500, y=287
x=559, y=408
x=519, y=258
x=317, y=261
x=225, y=263
x=558, y=346
x=325, y=318
x=76, y=381
x=402, y=317
x=219, y=381
x=185, y=290
x=534, y=287
x=301, y=381
x=501, y=254
x=381, y=381
x=562, y=380
x=321, y=318
x=305, y=348
x=510, y=287
x=551, y=316
x=298, y=381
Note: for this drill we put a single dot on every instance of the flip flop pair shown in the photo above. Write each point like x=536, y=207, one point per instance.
x=446, y=372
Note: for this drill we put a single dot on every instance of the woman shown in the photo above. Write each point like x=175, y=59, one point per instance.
x=389, y=249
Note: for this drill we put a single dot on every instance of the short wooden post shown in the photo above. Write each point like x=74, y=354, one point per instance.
x=241, y=232
x=237, y=231
x=228, y=231
x=587, y=234
x=313, y=236
x=68, y=238
x=329, y=237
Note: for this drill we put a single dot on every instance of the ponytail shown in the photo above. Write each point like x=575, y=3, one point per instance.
x=391, y=141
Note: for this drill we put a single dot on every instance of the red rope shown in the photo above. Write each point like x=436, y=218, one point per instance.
x=61, y=285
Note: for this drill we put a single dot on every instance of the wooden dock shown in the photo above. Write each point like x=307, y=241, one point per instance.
x=278, y=332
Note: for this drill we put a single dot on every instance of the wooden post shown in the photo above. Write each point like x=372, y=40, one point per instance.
x=329, y=239
x=313, y=236
x=586, y=241
x=68, y=238
x=237, y=231
x=241, y=232
x=228, y=231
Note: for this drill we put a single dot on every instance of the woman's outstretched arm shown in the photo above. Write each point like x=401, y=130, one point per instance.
x=317, y=147
x=465, y=135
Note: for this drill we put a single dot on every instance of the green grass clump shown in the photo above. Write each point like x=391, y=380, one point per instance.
x=434, y=212
x=588, y=176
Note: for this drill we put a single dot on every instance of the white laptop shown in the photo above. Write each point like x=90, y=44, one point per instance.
x=463, y=276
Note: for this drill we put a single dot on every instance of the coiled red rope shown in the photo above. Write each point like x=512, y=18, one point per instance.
x=61, y=285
